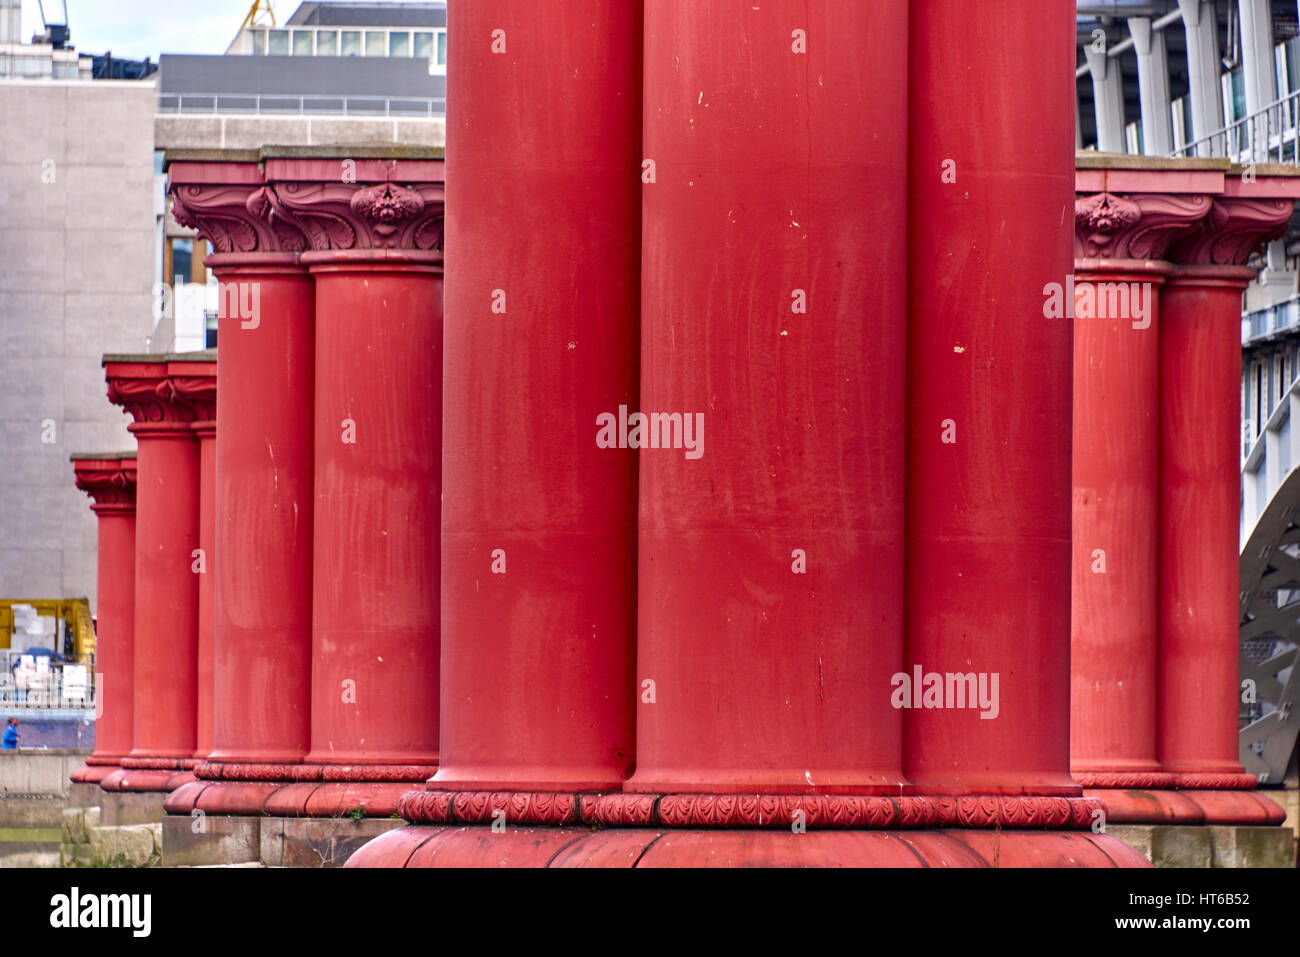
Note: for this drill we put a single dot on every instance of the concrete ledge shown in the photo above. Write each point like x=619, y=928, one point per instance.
x=207, y=840
x=30, y=810
x=1177, y=845
x=318, y=842
x=124, y=808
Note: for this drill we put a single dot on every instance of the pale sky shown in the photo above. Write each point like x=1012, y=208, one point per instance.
x=136, y=29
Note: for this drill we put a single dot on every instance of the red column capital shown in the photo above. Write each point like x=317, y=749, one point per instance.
x=232, y=208
x=1139, y=226
x=386, y=210
x=109, y=479
x=1232, y=232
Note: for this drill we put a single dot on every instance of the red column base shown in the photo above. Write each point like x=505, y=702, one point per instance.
x=776, y=811
x=96, y=772
x=1192, y=806
x=297, y=790
x=654, y=847
x=148, y=779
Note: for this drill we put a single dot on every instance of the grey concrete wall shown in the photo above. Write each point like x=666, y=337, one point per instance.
x=38, y=772
x=249, y=132
x=76, y=274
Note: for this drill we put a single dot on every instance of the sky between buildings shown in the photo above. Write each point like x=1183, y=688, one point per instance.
x=136, y=29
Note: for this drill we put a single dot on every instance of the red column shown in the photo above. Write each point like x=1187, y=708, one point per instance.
x=538, y=540
x=1118, y=244
x=194, y=376
x=166, y=587
x=262, y=627
x=1200, y=492
x=989, y=405
x=770, y=589
x=376, y=260
x=110, y=481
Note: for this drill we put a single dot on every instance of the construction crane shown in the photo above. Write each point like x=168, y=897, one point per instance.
x=56, y=34
x=257, y=14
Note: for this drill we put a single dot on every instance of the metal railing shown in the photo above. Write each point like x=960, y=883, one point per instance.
x=1269, y=136
x=26, y=683
x=291, y=104
x=1282, y=317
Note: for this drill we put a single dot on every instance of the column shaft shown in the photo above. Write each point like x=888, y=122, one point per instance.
x=539, y=534
x=166, y=592
x=770, y=588
x=376, y=511
x=1113, y=599
x=264, y=506
x=1200, y=428
x=989, y=404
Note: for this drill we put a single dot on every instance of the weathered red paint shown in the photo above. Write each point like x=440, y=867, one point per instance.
x=1200, y=498
x=542, y=224
x=770, y=567
x=988, y=516
x=1115, y=470
x=111, y=482
x=166, y=589
x=263, y=572
x=375, y=568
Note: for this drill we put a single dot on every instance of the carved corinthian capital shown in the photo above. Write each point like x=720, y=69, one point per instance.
x=109, y=482
x=345, y=216
x=1235, y=230
x=1141, y=226
x=242, y=218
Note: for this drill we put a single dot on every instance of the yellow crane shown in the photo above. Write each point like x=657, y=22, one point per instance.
x=257, y=14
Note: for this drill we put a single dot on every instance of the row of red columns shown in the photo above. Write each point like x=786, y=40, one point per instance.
x=689, y=228
x=710, y=203
x=156, y=545
x=1157, y=486
x=328, y=464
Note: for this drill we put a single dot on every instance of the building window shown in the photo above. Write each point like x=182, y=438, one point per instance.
x=259, y=42
x=424, y=46
x=278, y=42
x=182, y=265
x=351, y=43
x=399, y=44
x=327, y=43
x=374, y=43
x=302, y=43
x=442, y=49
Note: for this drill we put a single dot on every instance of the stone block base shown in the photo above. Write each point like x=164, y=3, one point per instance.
x=212, y=840
x=88, y=842
x=1174, y=845
x=124, y=808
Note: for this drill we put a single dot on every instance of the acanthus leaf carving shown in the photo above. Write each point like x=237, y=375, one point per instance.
x=1140, y=226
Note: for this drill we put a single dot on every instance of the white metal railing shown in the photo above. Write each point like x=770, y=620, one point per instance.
x=1280, y=317
x=1268, y=136
x=282, y=104
x=28, y=681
